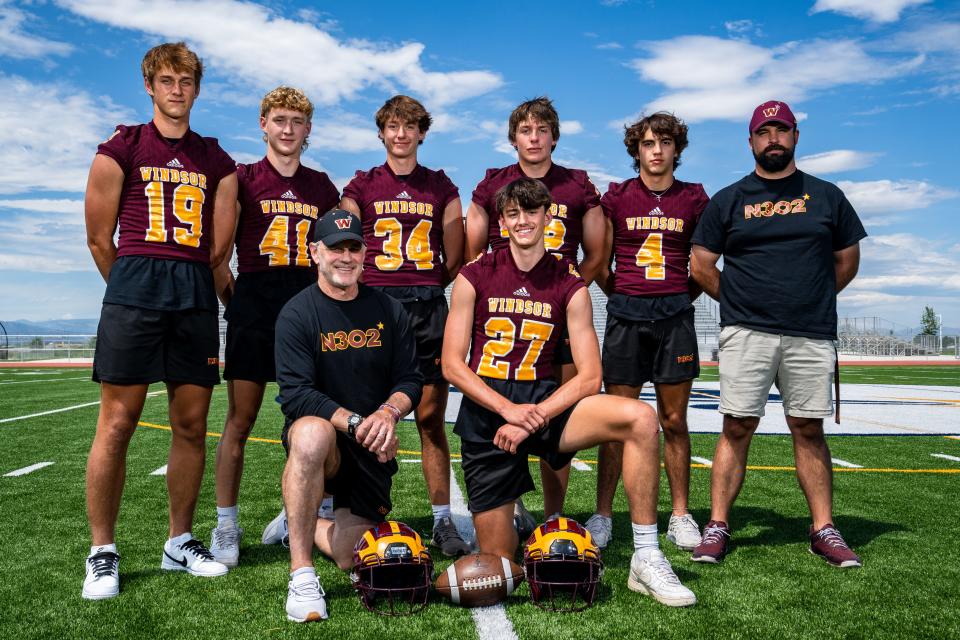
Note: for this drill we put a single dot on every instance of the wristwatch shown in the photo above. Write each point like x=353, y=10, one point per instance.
x=352, y=423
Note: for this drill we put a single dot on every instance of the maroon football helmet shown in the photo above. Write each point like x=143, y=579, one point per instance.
x=392, y=570
x=563, y=566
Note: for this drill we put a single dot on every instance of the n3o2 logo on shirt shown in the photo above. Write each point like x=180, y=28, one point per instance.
x=781, y=208
x=356, y=339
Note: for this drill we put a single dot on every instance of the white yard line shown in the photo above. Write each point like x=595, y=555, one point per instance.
x=76, y=406
x=945, y=457
x=26, y=470
x=492, y=622
x=162, y=471
x=844, y=463
x=580, y=465
x=704, y=461
x=44, y=380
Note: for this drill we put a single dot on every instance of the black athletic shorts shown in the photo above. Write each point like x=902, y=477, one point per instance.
x=658, y=351
x=140, y=346
x=427, y=318
x=251, y=318
x=493, y=476
x=563, y=355
x=362, y=483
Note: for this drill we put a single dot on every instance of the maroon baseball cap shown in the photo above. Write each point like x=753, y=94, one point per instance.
x=772, y=111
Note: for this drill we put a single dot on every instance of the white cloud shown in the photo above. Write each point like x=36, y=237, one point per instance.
x=899, y=274
x=232, y=35
x=57, y=155
x=599, y=175
x=609, y=46
x=738, y=26
x=836, y=161
x=16, y=43
x=873, y=10
x=710, y=78
x=893, y=196
x=346, y=134
x=570, y=127
x=46, y=205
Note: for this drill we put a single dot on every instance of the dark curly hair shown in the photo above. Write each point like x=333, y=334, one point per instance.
x=664, y=125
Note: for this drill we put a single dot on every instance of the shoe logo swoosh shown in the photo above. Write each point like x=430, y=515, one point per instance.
x=182, y=561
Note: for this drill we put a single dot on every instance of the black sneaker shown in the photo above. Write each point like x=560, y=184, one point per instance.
x=446, y=536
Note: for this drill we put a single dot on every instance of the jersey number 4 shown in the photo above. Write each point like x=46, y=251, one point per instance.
x=418, y=245
x=187, y=208
x=275, y=243
x=501, y=332
x=650, y=256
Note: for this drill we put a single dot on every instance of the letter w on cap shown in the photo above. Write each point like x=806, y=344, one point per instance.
x=770, y=112
x=343, y=223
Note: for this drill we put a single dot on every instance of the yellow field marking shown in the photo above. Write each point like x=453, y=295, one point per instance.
x=407, y=452
x=944, y=400
x=952, y=437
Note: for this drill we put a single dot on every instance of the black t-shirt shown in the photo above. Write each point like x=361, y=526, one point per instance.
x=161, y=284
x=352, y=354
x=777, y=238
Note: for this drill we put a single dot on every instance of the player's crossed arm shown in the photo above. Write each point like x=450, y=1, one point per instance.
x=456, y=344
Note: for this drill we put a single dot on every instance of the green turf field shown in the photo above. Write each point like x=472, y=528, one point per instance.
x=769, y=586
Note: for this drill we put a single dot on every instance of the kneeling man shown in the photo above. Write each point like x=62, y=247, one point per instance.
x=347, y=370
x=508, y=309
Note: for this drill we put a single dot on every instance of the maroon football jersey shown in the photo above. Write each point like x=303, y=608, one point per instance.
x=651, y=237
x=519, y=315
x=277, y=215
x=573, y=195
x=166, y=206
x=402, y=224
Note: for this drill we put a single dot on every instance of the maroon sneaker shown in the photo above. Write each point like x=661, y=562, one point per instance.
x=715, y=543
x=829, y=545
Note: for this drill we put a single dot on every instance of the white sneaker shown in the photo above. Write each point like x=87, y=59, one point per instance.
x=225, y=543
x=103, y=576
x=651, y=573
x=601, y=529
x=684, y=532
x=276, y=531
x=192, y=557
x=305, y=601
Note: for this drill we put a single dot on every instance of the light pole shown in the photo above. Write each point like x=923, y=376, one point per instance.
x=940, y=332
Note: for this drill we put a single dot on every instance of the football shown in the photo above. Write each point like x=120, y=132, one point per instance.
x=479, y=580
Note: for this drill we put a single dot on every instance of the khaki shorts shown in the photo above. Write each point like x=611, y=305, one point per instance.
x=752, y=361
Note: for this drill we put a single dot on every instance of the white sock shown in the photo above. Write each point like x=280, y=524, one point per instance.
x=644, y=536
x=180, y=539
x=103, y=547
x=227, y=513
x=304, y=574
x=440, y=511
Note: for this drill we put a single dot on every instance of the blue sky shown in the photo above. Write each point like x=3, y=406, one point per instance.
x=875, y=82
